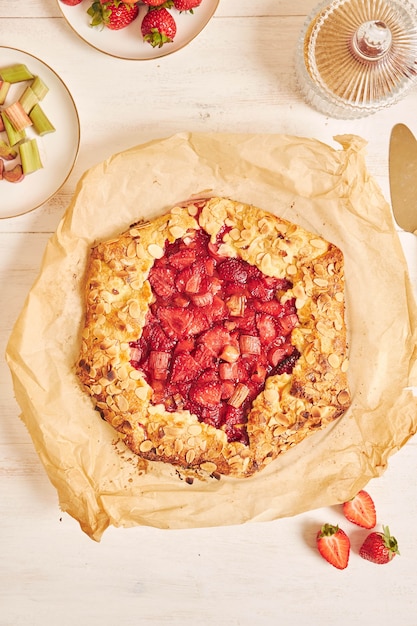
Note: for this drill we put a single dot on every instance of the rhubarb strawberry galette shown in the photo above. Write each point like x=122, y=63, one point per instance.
x=215, y=337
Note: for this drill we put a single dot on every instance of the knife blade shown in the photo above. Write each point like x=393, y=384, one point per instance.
x=403, y=177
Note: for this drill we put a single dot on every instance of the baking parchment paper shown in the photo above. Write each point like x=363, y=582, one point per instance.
x=328, y=191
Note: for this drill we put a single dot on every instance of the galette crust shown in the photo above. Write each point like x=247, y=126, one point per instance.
x=291, y=407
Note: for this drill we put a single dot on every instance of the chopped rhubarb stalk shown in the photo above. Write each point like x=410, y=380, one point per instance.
x=228, y=371
x=4, y=90
x=158, y=363
x=230, y=353
x=39, y=88
x=15, y=73
x=30, y=157
x=135, y=354
x=28, y=99
x=13, y=136
x=40, y=121
x=6, y=152
x=250, y=344
x=236, y=305
x=17, y=116
x=213, y=333
x=240, y=394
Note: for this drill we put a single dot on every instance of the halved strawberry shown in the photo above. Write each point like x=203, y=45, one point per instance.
x=333, y=545
x=360, y=510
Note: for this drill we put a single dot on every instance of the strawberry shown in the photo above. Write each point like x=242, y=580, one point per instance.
x=162, y=281
x=288, y=322
x=234, y=270
x=184, y=368
x=208, y=394
x=113, y=14
x=154, y=3
x=158, y=27
x=71, y=3
x=360, y=510
x=175, y=321
x=183, y=258
x=379, y=547
x=267, y=328
x=215, y=339
x=258, y=289
x=272, y=307
x=186, y=5
x=333, y=545
x=198, y=322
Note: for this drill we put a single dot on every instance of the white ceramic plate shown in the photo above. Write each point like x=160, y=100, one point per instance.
x=58, y=150
x=127, y=43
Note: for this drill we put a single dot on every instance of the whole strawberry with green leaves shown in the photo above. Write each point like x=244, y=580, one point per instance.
x=186, y=5
x=113, y=14
x=158, y=27
x=379, y=547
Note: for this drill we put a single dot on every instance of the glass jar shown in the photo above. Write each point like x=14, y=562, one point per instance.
x=355, y=57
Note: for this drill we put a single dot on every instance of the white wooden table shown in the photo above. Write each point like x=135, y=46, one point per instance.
x=237, y=76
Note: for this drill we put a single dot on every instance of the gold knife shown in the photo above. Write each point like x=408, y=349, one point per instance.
x=403, y=177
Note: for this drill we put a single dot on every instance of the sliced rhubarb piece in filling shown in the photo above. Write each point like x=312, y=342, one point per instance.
x=216, y=329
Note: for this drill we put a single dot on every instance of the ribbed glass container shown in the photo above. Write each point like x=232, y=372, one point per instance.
x=355, y=57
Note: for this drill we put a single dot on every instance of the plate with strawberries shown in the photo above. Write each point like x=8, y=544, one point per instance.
x=143, y=30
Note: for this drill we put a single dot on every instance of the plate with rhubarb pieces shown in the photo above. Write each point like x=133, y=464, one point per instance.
x=39, y=132
x=138, y=30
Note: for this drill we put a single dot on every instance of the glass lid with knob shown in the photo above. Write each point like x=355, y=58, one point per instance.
x=357, y=56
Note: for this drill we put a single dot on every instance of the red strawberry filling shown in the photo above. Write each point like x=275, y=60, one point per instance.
x=214, y=333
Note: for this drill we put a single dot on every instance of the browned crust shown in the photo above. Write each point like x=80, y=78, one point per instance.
x=290, y=408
